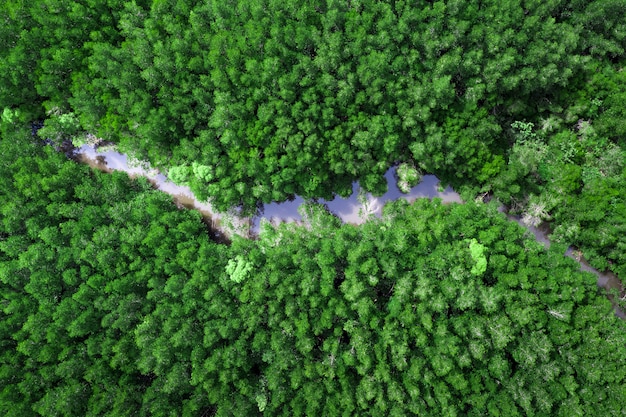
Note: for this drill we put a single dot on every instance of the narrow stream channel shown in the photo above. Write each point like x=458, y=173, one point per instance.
x=350, y=210
x=607, y=280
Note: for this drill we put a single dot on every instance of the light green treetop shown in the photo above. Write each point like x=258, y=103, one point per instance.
x=477, y=251
x=238, y=269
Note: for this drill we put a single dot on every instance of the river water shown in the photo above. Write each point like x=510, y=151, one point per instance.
x=350, y=210
x=355, y=209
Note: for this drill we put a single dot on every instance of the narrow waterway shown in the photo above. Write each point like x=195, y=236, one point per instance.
x=356, y=209
x=607, y=280
x=110, y=160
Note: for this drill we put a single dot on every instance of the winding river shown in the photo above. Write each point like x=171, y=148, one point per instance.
x=350, y=210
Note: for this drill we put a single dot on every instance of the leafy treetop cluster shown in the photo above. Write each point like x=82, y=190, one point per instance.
x=568, y=166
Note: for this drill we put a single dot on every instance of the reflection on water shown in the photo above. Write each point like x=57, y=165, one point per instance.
x=355, y=209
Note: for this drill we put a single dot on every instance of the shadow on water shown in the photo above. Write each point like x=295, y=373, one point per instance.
x=355, y=209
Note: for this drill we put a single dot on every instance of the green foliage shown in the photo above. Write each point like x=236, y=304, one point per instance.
x=477, y=252
x=81, y=254
x=524, y=131
x=202, y=172
x=261, y=401
x=179, y=174
x=9, y=116
x=408, y=177
x=238, y=269
x=570, y=170
x=114, y=302
x=60, y=127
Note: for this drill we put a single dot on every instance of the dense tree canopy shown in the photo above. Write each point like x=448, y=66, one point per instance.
x=80, y=254
x=568, y=166
x=115, y=302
